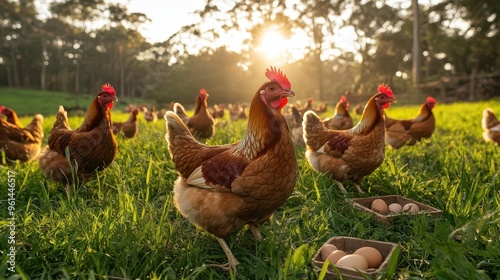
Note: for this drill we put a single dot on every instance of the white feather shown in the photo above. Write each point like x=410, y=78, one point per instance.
x=196, y=179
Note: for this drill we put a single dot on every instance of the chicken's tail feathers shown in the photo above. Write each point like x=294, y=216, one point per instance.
x=176, y=130
x=181, y=112
x=61, y=119
x=312, y=125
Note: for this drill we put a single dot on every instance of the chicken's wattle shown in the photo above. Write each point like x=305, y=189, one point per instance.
x=279, y=103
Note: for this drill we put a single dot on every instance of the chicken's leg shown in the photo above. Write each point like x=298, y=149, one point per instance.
x=255, y=231
x=341, y=187
x=233, y=262
x=358, y=188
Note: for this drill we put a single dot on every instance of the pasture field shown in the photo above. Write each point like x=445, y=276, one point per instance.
x=124, y=225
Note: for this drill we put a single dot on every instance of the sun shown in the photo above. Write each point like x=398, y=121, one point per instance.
x=273, y=44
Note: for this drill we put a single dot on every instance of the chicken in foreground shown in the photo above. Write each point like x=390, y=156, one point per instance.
x=341, y=118
x=201, y=124
x=223, y=188
x=349, y=154
x=18, y=143
x=11, y=116
x=91, y=147
x=129, y=128
x=408, y=132
x=491, y=127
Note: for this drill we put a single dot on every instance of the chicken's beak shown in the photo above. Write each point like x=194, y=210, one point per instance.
x=288, y=94
x=115, y=99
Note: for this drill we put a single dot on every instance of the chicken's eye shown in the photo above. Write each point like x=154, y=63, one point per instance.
x=272, y=88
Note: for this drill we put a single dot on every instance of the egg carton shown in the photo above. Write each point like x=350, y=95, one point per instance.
x=349, y=245
x=364, y=204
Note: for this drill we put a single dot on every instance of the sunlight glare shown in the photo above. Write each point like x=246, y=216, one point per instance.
x=273, y=45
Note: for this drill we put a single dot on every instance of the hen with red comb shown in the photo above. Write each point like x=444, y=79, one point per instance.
x=410, y=131
x=352, y=154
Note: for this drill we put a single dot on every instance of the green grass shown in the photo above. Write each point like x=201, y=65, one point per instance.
x=124, y=224
x=29, y=102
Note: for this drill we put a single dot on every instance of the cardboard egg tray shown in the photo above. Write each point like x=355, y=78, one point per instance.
x=364, y=204
x=349, y=245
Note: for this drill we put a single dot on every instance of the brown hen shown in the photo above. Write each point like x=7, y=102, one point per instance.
x=23, y=144
x=341, y=118
x=408, y=132
x=491, y=127
x=201, y=124
x=223, y=188
x=129, y=128
x=349, y=154
x=91, y=147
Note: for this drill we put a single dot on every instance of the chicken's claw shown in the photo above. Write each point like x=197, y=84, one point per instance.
x=232, y=261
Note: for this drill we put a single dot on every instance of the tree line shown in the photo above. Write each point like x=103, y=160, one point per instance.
x=60, y=52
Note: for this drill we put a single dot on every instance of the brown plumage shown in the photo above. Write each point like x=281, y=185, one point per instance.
x=201, y=124
x=91, y=147
x=151, y=115
x=129, y=128
x=23, y=144
x=349, y=154
x=491, y=127
x=408, y=132
x=11, y=116
x=341, y=118
x=295, y=126
x=223, y=188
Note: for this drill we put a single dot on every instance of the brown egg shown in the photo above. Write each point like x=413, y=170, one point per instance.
x=372, y=256
x=395, y=208
x=354, y=261
x=326, y=250
x=336, y=255
x=411, y=208
x=380, y=206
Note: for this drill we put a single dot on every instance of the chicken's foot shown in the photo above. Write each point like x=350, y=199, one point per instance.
x=233, y=262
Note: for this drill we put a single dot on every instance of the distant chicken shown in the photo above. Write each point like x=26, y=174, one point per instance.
x=217, y=111
x=349, y=154
x=91, y=147
x=130, y=128
x=341, y=118
x=201, y=124
x=11, y=116
x=491, y=127
x=307, y=107
x=223, y=188
x=151, y=115
x=408, y=132
x=295, y=127
x=358, y=109
x=18, y=143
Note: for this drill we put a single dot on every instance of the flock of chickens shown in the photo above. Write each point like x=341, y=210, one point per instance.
x=225, y=187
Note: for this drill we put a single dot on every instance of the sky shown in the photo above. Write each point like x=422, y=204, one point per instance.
x=167, y=16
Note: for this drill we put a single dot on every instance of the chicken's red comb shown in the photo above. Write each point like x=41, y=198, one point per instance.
x=430, y=99
x=343, y=99
x=278, y=76
x=2, y=108
x=109, y=89
x=385, y=89
x=203, y=91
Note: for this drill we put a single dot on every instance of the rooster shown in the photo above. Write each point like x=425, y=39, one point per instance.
x=11, y=116
x=201, y=124
x=349, y=154
x=401, y=132
x=130, y=128
x=491, y=127
x=91, y=147
x=18, y=143
x=341, y=119
x=223, y=188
